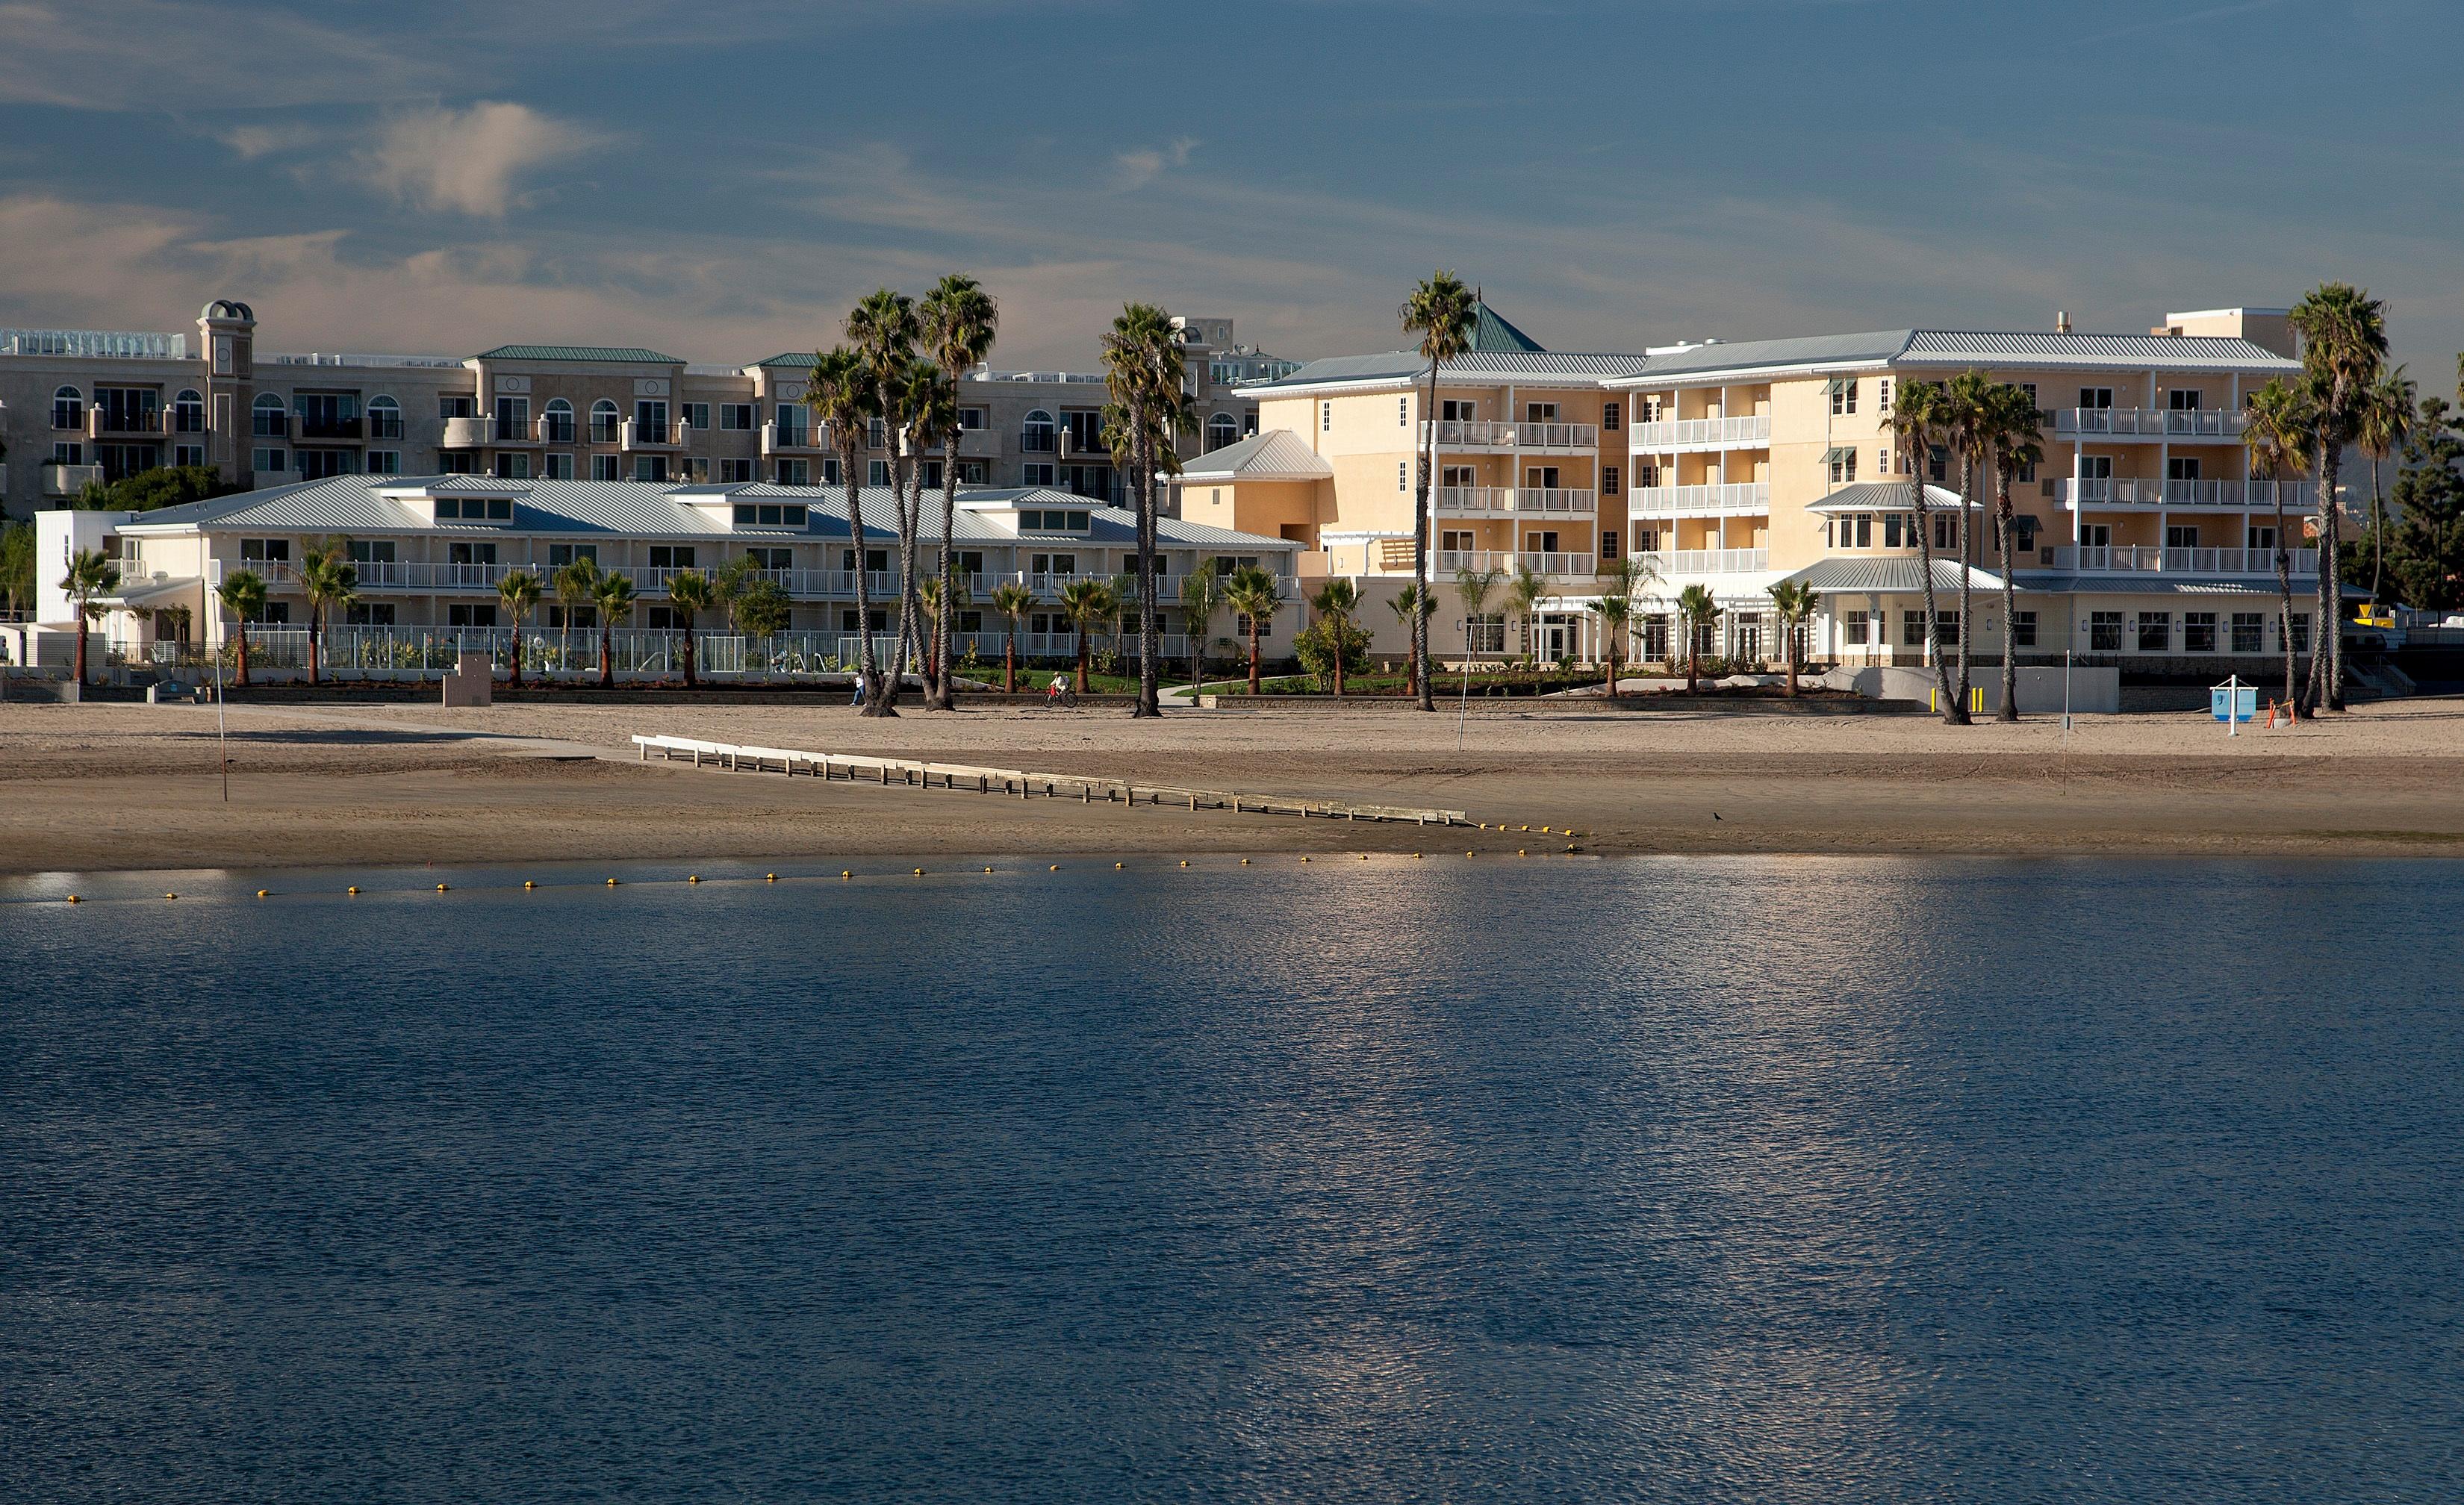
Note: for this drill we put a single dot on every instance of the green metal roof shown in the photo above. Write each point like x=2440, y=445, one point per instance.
x=1491, y=332
x=617, y=355
x=799, y=359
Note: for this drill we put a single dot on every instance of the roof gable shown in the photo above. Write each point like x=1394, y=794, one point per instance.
x=1490, y=332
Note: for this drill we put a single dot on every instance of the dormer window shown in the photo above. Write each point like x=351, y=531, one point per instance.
x=1051, y=520
x=474, y=509
x=770, y=514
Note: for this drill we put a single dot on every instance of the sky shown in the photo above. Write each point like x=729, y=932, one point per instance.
x=722, y=180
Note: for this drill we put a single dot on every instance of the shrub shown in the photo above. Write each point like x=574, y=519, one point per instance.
x=1315, y=650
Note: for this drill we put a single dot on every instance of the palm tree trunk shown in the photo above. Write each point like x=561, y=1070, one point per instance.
x=2285, y=587
x=688, y=655
x=315, y=630
x=1953, y=713
x=1693, y=657
x=1082, y=658
x=1610, y=689
x=1253, y=655
x=1420, y=634
x=2326, y=633
x=2378, y=534
x=1150, y=643
x=517, y=654
x=243, y=653
x=1966, y=568
x=938, y=695
x=1334, y=635
x=2003, y=521
x=1009, y=660
x=1788, y=648
x=607, y=651
x=910, y=605
x=82, y=632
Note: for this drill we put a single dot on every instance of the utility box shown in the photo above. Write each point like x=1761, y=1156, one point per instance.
x=472, y=682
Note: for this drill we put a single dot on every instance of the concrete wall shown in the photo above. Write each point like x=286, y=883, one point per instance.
x=2092, y=691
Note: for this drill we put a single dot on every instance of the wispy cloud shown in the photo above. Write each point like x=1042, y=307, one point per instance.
x=157, y=54
x=468, y=159
x=254, y=141
x=1132, y=170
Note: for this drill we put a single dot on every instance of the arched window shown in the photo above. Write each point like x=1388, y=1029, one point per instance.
x=68, y=409
x=269, y=415
x=560, y=421
x=1037, y=433
x=1222, y=429
x=602, y=421
x=189, y=412
x=385, y=418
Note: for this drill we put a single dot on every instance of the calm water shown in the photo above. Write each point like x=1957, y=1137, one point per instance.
x=1745, y=1180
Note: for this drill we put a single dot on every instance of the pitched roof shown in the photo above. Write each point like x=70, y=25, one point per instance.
x=1954, y=348
x=1407, y=364
x=1886, y=576
x=794, y=359
x=1277, y=455
x=618, y=354
x=1490, y=332
x=1885, y=496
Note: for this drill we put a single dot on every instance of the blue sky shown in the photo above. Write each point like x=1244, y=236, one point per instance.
x=721, y=181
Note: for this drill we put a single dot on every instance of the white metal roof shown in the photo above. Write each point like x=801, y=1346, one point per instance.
x=1277, y=455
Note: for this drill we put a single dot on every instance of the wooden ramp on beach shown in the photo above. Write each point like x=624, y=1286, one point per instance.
x=1025, y=784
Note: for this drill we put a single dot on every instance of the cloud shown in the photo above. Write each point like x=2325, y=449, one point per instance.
x=1132, y=170
x=468, y=159
x=251, y=141
x=157, y=54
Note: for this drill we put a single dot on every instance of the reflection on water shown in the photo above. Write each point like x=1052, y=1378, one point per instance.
x=1788, y=1179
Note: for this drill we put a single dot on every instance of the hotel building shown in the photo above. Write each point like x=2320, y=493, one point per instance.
x=2142, y=540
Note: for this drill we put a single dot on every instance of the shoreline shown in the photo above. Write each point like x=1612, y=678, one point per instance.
x=104, y=788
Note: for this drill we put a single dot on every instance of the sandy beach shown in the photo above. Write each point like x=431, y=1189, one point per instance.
x=129, y=786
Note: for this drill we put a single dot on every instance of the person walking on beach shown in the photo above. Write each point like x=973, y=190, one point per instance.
x=859, y=688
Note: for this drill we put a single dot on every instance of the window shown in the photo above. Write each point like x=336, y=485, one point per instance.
x=276, y=614
x=471, y=614
x=264, y=550
x=1540, y=478
x=2300, y=632
x=1882, y=395
x=1455, y=541
x=560, y=467
x=314, y=465
x=603, y=424
x=1222, y=429
x=602, y=467
x=2179, y=535
x=1843, y=395
x=2027, y=470
x=2029, y=387
x=2155, y=631
x=266, y=461
x=369, y=614
x=561, y=554
x=1655, y=636
x=928, y=475
x=696, y=415
x=1609, y=479
x=1457, y=409
x=692, y=467
x=1402, y=412
x=189, y=413
x=269, y=420
x=794, y=419
x=880, y=619
x=2105, y=632
x=556, y=428
x=649, y=468
x=68, y=409
x=1937, y=462
x=1946, y=532
x=877, y=434
x=195, y=454
x=1607, y=543
x=1881, y=462
x=1326, y=418
x=875, y=561
x=975, y=420
x=1844, y=467
x=462, y=461
x=831, y=474
x=2246, y=632
x=1458, y=477
x=1085, y=426
x=1539, y=412
x=1912, y=633
x=1035, y=474
x=671, y=556
x=1863, y=530
x=739, y=415
x=1052, y=520
x=1855, y=628
x=2096, y=399
x=1646, y=540
x=560, y=617
x=876, y=472
x=734, y=471
x=1894, y=525
x=2182, y=468
x=1036, y=436
x=454, y=405
x=791, y=473
x=1403, y=475
x=1610, y=417
x=513, y=419
x=1946, y=625
x=2096, y=535
x=975, y=472
x=770, y=514
x=515, y=467
x=1487, y=634
x=2023, y=629
x=2261, y=538
x=2027, y=528
x=1540, y=540
x=2198, y=632
x=475, y=510
x=2184, y=400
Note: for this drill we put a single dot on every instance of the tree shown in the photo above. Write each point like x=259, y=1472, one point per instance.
x=1201, y=596
x=690, y=593
x=91, y=574
x=2343, y=351
x=2279, y=422
x=1013, y=602
x=1970, y=424
x=1253, y=594
x=1472, y=590
x=154, y=489
x=1613, y=612
x=2426, y=553
x=839, y=394
x=2014, y=426
x=956, y=322
x=763, y=609
x=944, y=598
x=2384, y=428
x=1408, y=607
x=1088, y=602
x=1916, y=420
x=1792, y=604
x=242, y=594
x=728, y=581
x=1144, y=370
x=1524, y=589
x=930, y=403
x=882, y=330
x=328, y=578
x=613, y=596
x=576, y=584
x=1334, y=602
x=1699, y=613
x=18, y=565
x=520, y=591
x=1444, y=314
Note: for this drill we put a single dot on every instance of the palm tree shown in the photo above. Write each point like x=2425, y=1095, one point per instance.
x=1969, y=417
x=1406, y=605
x=2014, y=424
x=930, y=403
x=957, y=323
x=2386, y=422
x=2344, y=349
x=1253, y=595
x=1613, y=612
x=1917, y=417
x=520, y=591
x=1698, y=612
x=1088, y=602
x=613, y=597
x=944, y=598
x=1201, y=596
x=1616, y=606
x=882, y=329
x=1791, y=604
x=1149, y=411
x=690, y=593
x=91, y=574
x=576, y=584
x=728, y=581
x=839, y=394
x=328, y=578
x=1524, y=589
x=1334, y=602
x=2276, y=431
x=243, y=595
x=1013, y=602
x=1444, y=314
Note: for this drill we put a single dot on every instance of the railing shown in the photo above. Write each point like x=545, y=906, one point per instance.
x=413, y=653
x=67, y=480
x=2130, y=491
x=635, y=434
x=2144, y=558
x=1449, y=560
x=1469, y=433
x=1039, y=441
x=2150, y=422
x=554, y=429
x=804, y=441
x=329, y=427
x=1498, y=434
x=469, y=433
x=1710, y=561
x=269, y=423
x=145, y=421
x=383, y=424
x=604, y=430
x=1688, y=433
x=1727, y=498
x=1543, y=434
x=1509, y=501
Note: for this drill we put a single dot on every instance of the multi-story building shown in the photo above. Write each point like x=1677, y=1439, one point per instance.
x=79, y=406
x=2142, y=538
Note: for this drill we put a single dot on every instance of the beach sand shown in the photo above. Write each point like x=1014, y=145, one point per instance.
x=132, y=786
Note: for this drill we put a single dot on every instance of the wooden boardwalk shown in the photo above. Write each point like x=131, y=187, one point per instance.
x=1025, y=784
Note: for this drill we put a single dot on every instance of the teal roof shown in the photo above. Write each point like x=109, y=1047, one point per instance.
x=617, y=355
x=797, y=360
x=1491, y=332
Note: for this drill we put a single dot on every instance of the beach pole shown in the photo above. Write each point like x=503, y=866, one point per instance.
x=222, y=746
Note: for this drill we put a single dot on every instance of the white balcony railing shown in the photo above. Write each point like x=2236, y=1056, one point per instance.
x=67, y=480
x=2145, y=559
x=1498, y=434
x=2149, y=423
x=1735, y=498
x=2129, y=491
x=808, y=439
x=1673, y=562
x=634, y=434
x=469, y=433
x=1449, y=560
x=1506, y=501
x=1701, y=434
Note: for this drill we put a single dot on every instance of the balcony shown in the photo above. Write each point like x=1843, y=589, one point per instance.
x=1508, y=501
x=2144, y=560
x=330, y=427
x=1673, y=562
x=469, y=433
x=979, y=444
x=146, y=423
x=1670, y=435
x=636, y=434
x=1449, y=560
x=2214, y=424
x=1039, y=441
x=1454, y=433
x=1732, y=499
x=2300, y=496
x=68, y=480
x=792, y=441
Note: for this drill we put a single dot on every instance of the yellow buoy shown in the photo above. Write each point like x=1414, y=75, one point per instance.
x=1056, y=867
x=527, y=884
x=440, y=889
x=611, y=882
x=919, y=872
x=844, y=873
x=1245, y=862
x=1519, y=852
x=1303, y=859
x=73, y=899
x=262, y=892
x=1184, y=862
x=354, y=888
x=769, y=877
x=170, y=896
x=1527, y=828
x=1570, y=849
x=1544, y=830
x=1466, y=854
x=987, y=869
x=692, y=878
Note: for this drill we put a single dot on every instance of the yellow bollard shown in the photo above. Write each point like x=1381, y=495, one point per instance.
x=1466, y=854
x=1056, y=867
x=987, y=869
x=1117, y=866
x=1519, y=852
x=1415, y=857
x=1303, y=859
x=919, y=872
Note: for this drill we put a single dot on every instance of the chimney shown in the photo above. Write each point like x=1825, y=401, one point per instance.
x=2062, y=323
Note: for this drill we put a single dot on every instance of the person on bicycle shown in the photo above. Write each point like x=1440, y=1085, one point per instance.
x=1053, y=692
